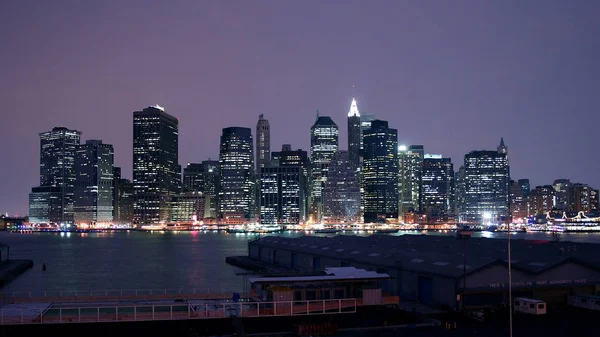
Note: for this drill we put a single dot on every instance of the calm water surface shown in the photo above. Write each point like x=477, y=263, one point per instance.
x=140, y=260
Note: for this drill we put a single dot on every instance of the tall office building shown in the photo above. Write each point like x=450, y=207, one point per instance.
x=189, y=207
x=525, y=187
x=517, y=202
x=486, y=187
x=122, y=199
x=263, y=143
x=582, y=198
x=341, y=193
x=438, y=186
x=460, y=190
x=561, y=187
x=380, y=172
x=236, y=193
x=541, y=200
x=282, y=195
x=57, y=176
x=192, y=178
x=94, y=183
x=323, y=145
x=410, y=170
x=156, y=171
x=354, y=135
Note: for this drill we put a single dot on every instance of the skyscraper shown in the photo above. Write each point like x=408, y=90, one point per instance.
x=263, y=143
x=94, y=183
x=122, y=199
x=354, y=135
x=486, y=187
x=410, y=170
x=517, y=203
x=525, y=187
x=438, y=186
x=380, y=172
x=57, y=175
x=561, y=187
x=192, y=178
x=156, y=171
x=582, y=198
x=236, y=167
x=282, y=195
x=323, y=145
x=341, y=193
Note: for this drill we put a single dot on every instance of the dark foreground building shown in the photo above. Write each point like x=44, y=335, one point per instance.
x=433, y=270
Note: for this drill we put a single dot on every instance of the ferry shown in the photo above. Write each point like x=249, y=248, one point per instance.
x=327, y=231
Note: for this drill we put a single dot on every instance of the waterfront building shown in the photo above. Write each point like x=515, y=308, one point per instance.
x=341, y=193
x=193, y=178
x=156, y=169
x=582, y=198
x=123, y=203
x=437, y=195
x=203, y=178
x=486, y=185
x=323, y=145
x=190, y=207
x=57, y=169
x=236, y=165
x=561, y=187
x=541, y=200
x=354, y=135
x=380, y=172
x=283, y=195
x=263, y=143
x=517, y=202
x=94, y=184
x=46, y=205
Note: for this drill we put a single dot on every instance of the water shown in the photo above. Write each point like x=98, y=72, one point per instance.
x=142, y=260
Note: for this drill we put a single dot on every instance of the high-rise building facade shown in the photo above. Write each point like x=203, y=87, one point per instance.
x=263, y=143
x=156, y=169
x=582, y=198
x=94, y=183
x=486, y=187
x=57, y=174
x=354, y=135
x=525, y=187
x=236, y=165
x=517, y=202
x=380, y=172
x=46, y=205
x=122, y=199
x=410, y=170
x=323, y=145
x=341, y=193
x=541, y=200
x=437, y=186
x=192, y=178
x=283, y=195
x=561, y=187
x=190, y=207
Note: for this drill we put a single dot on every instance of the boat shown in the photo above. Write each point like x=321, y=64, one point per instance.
x=266, y=229
x=328, y=231
x=386, y=230
x=236, y=230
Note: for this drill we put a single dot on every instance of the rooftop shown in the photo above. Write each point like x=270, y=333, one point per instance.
x=330, y=274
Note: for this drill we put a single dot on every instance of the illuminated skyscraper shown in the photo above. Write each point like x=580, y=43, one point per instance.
x=156, y=171
x=380, y=172
x=57, y=176
x=323, y=145
x=263, y=143
x=354, y=135
x=341, y=193
x=410, y=170
x=236, y=195
x=437, y=194
x=94, y=183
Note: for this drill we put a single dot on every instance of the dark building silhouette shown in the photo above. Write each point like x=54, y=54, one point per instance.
x=561, y=187
x=156, y=171
x=517, y=201
x=122, y=199
x=582, y=198
x=94, y=183
x=237, y=192
x=541, y=200
x=323, y=145
x=57, y=177
x=525, y=187
x=380, y=172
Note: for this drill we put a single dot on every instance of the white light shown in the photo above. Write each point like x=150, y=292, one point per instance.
x=159, y=107
x=353, y=109
x=487, y=215
x=402, y=148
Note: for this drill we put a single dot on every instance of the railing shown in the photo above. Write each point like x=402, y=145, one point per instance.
x=181, y=311
x=121, y=294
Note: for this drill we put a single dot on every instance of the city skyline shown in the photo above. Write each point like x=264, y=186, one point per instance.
x=478, y=88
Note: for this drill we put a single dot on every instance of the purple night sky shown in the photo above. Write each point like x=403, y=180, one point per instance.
x=454, y=76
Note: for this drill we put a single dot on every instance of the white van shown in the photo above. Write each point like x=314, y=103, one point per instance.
x=530, y=306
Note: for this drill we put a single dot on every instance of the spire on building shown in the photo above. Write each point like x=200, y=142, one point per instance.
x=353, y=109
x=502, y=147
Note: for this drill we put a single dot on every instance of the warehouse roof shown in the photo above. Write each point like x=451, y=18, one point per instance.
x=330, y=274
x=442, y=255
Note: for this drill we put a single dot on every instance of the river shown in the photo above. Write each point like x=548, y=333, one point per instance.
x=156, y=260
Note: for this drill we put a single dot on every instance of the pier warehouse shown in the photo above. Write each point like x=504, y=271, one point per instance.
x=435, y=271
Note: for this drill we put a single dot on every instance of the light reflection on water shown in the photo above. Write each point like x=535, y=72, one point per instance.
x=158, y=260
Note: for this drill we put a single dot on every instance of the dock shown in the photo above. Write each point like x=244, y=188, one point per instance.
x=11, y=269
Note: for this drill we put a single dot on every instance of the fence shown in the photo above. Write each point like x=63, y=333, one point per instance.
x=187, y=310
